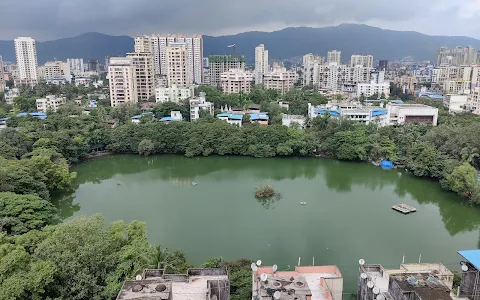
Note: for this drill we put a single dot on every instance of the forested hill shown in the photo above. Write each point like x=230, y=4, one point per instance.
x=282, y=44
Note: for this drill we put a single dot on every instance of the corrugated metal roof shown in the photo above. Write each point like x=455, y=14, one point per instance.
x=473, y=256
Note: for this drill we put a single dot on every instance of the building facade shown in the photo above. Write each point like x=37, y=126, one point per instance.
x=26, y=55
x=334, y=57
x=377, y=86
x=57, y=70
x=261, y=63
x=361, y=60
x=50, y=102
x=76, y=65
x=174, y=93
x=198, y=104
x=177, y=64
x=144, y=74
x=2, y=76
x=279, y=79
x=194, y=46
x=458, y=56
x=121, y=73
x=236, y=81
x=219, y=64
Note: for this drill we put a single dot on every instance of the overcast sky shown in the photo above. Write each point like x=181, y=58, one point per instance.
x=52, y=19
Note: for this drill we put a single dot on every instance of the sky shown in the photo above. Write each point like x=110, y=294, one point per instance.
x=53, y=19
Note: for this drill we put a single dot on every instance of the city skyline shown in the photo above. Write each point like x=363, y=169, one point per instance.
x=20, y=18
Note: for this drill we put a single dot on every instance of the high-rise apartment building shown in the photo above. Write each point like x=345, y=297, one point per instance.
x=383, y=65
x=144, y=74
x=236, y=81
x=261, y=63
x=56, y=70
x=177, y=64
x=361, y=60
x=121, y=73
x=2, y=76
x=219, y=64
x=26, y=54
x=143, y=44
x=309, y=61
x=334, y=57
x=279, y=79
x=76, y=65
x=457, y=57
x=194, y=46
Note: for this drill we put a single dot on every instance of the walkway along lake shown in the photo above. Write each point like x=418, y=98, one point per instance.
x=347, y=215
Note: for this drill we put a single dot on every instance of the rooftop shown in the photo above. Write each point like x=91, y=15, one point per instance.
x=425, y=285
x=201, y=284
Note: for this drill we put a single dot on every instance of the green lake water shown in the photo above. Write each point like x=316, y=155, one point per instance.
x=348, y=214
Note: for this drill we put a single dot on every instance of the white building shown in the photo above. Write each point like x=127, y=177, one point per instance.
x=11, y=94
x=377, y=86
x=2, y=76
x=231, y=118
x=309, y=62
x=457, y=103
x=26, y=54
x=76, y=65
x=177, y=64
x=121, y=73
x=291, y=120
x=57, y=70
x=339, y=77
x=194, y=46
x=236, y=81
x=279, y=79
x=333, y=57
x=457, y=57
x=261, y=63
x=143, y=44
x=174, y=93
x=50, y=102
x=361, y=60
x=475, y=100
x=198, y=104
x=144, y=74
x=399, y=114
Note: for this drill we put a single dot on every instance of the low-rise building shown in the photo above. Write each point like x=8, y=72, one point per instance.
x=470, y=285
x=82, y=80
x=50, y=102
x=279, y=79
x=174, y=93
x=399, y=114
x=293, y=120
x=11, y=94
x=457, y=103
x=3, y=123
x=198, y=104
x=260, y=118
x=236, y=81
x=304, y=283
x=197, y=284
x=410, y=281
x=231, y=118
x=357, y=113
x=138, y=118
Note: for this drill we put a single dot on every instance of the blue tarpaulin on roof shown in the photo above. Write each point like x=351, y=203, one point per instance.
x=473, y=256
x=386, y=165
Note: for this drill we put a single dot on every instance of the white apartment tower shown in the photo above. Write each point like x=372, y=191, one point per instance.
x=279, y=79
x=2, y=76
x=26, y=54
x=178, y=64
x=334, y=57
x=144, y=74
x=143, y=44
x=194, y=45
x=76, y=65
x=236, y=81
x=261, y=63
x=362, y=60
x=121, y=73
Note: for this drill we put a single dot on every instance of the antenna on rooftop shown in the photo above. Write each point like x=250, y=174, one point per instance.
x=380, y=297
x=254, y=267
x=361, y=261
x=263, y=277
x=259, y=262
x=464, y=266
x=376, y=290
x=138, y=277
x=370, y=284
x=363, y=275
x=276, y=295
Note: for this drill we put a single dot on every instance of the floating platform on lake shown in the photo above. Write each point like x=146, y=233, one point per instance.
x=404, y=208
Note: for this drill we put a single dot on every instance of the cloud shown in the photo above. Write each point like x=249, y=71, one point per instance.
x=51, y=19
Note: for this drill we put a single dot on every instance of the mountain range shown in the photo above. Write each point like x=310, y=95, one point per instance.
x=282, y=44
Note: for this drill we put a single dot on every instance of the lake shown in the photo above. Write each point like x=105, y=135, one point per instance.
x=347, y=215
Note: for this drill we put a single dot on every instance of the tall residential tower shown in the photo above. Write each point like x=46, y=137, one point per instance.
x=26, y=54
x=261, y=63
